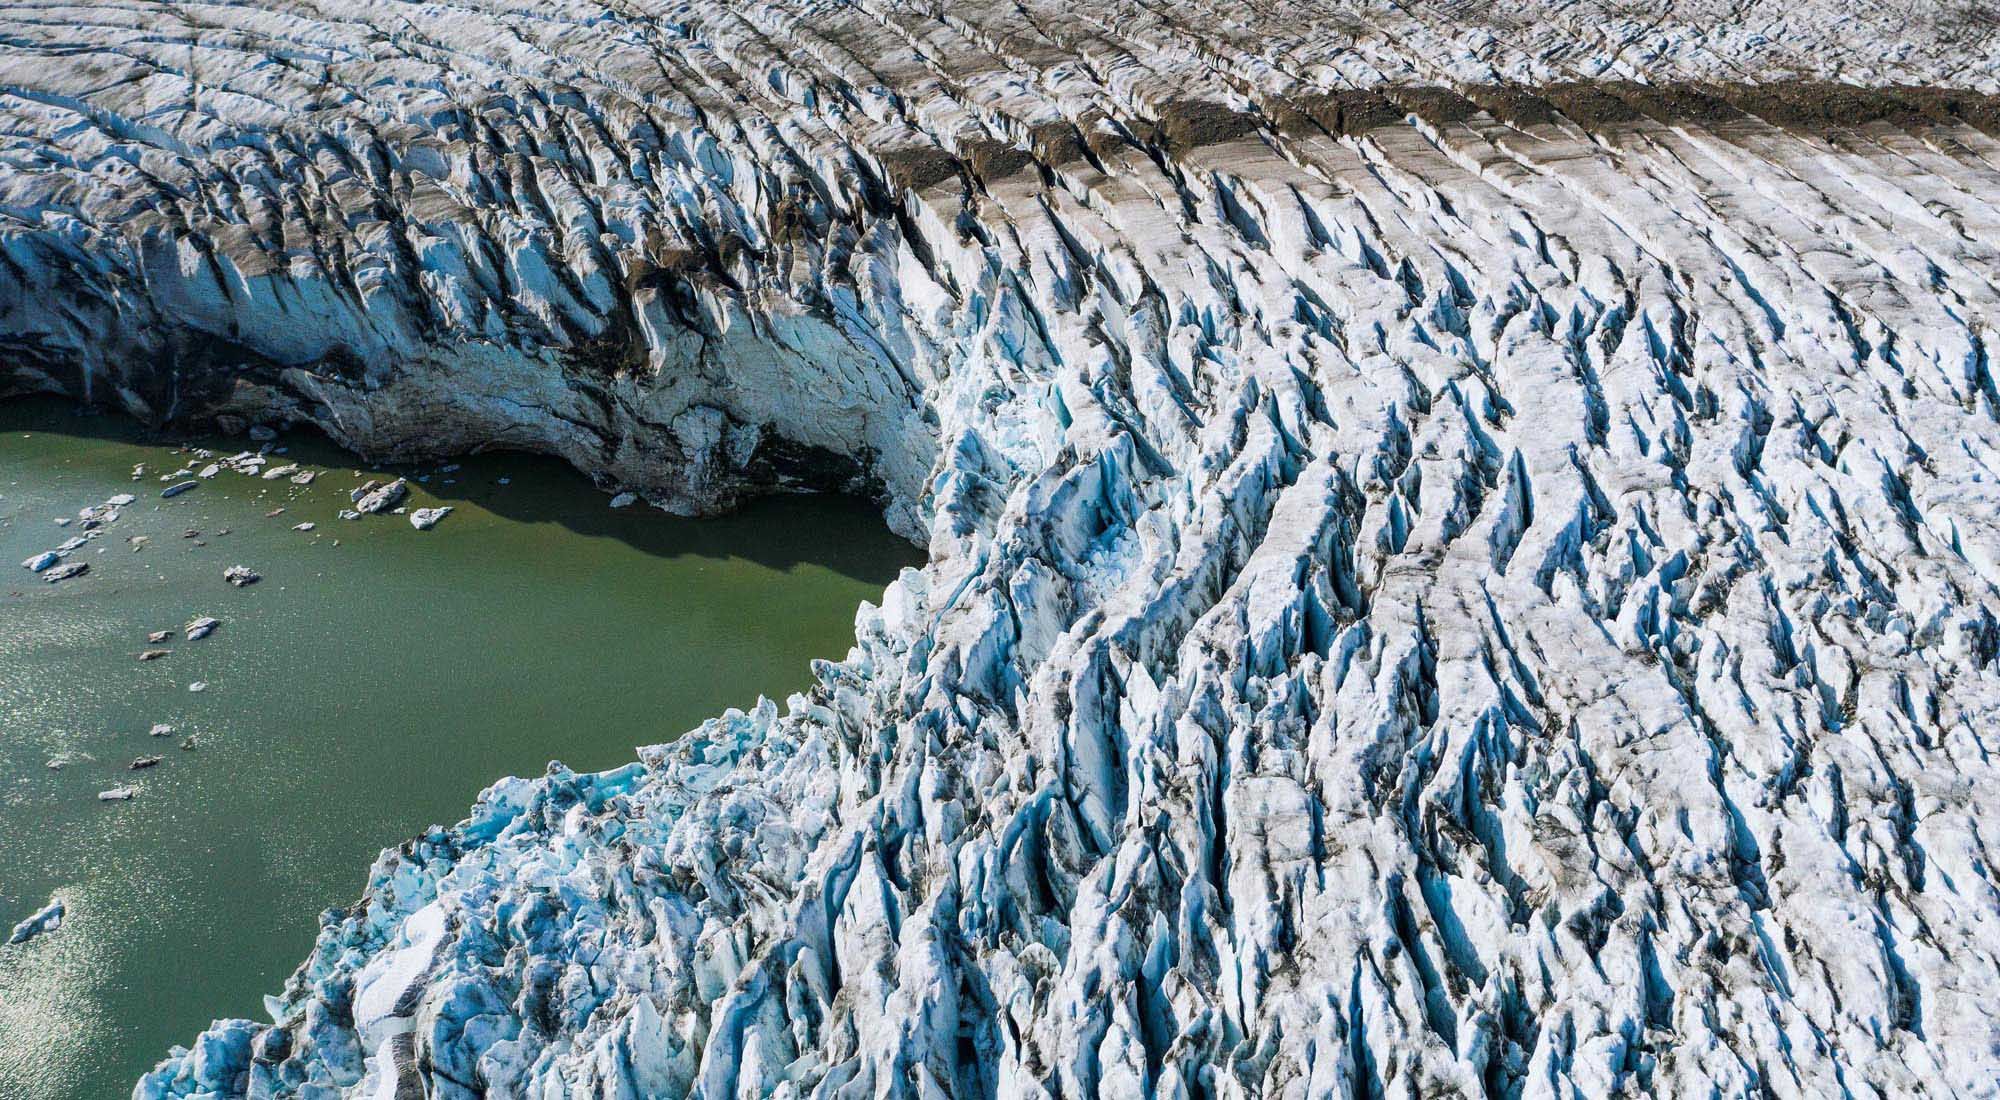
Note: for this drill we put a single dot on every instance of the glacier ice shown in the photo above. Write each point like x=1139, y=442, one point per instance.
x=1462, y=538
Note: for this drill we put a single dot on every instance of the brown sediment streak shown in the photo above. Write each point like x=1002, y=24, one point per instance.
x=1800, y=105
x=1182, y=126
x=1605, y=105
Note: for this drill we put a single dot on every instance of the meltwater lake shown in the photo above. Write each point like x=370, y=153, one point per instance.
x=370, y=685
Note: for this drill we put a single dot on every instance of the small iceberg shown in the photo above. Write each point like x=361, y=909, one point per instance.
x=41, y=561
x=625, y=500
x=118, y=794
x=47, y=919
x=177, y=488
x=202, y=627
x=241, y=575
x=370, y=501
x=423, y=519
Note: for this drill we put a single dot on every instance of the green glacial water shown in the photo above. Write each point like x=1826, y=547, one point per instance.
x=358, y=694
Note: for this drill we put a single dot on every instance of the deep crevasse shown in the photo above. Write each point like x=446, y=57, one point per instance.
x=1477, y=592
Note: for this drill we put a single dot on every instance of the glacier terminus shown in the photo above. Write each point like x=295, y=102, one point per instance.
x=1462, y=539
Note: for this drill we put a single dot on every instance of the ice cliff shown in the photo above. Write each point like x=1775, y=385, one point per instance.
x=1463, y=538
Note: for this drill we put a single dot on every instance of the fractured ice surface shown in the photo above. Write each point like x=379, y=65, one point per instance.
x=1484, y=591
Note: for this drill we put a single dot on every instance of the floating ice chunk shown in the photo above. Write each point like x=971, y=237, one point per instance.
x=423, y=519
x=97, y=515
x=46, y=919
x=624, y=500
x=178, y=488
x=41, y=561
x=202, y=627
x=382, y=499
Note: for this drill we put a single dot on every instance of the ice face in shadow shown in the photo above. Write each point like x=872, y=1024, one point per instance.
x=1442, y=580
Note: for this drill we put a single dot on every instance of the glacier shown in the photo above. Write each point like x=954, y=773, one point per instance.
x=1462, y=538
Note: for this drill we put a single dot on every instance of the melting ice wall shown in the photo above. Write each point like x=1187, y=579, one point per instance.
x=1462, y=543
